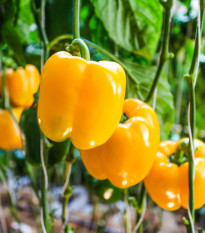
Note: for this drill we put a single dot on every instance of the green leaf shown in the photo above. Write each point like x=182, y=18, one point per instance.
x=18, y=27
x=144, y=76
x=135, y=25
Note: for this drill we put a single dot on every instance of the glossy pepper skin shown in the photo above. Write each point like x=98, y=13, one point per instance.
x=10, y=134
x=17, y=112
x=81, y=100
x=167, y=183
x=126, y=158
x=22, y=84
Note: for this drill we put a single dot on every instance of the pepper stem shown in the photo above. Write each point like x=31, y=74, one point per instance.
x=164, y=55
x=67, y=189
x=191, y=78
x=76, y=19
x=79, y=45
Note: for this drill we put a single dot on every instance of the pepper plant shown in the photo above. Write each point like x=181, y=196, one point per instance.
x=111, y=80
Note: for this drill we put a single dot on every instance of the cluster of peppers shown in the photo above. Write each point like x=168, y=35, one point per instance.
x=21, y=84
x=83, y=105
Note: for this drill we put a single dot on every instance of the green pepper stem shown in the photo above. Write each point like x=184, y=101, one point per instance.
x=164, y=55
x=6, y=103
x=141, y=209
x=127, y=215
x=79, y=44
x=39, y=15
x=44, y=187
x=40, y=21
x=67, y=189
x=5, y=97
x=191, y=78
x=76, y=19
x=32, y=179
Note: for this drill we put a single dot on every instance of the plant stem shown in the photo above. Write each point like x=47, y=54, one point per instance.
x=191, y=78
x=45, y=51
x=44, y=184
x=79, y=44
x=67, y=189
x=5, y=97
x=128, y=227
x=39, y=15
x=40, y=21
x=76, y=19
x=32, y=179
x=164, y=55
x=141, y=209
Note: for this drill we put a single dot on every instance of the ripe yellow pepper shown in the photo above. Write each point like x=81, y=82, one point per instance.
x=81, y=100
x=21, y=85
x=127, y=157
x=167, y=183
x=10, y=134
x=17, y=112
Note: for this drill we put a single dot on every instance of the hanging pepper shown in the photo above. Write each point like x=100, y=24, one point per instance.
x=10, y=134
x=21, y=85
x=81, y=100
x=167, y=182
x=126, y=158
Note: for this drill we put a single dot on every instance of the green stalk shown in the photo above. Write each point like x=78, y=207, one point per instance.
x=140, y=211
x=67, y=189
x=76, y=19
x=45, y=42
x=128, y=227
x=165, y=55
x=40, y=21
x=39, y=15
x=32, y=179
x=44, y=184
x=191, y=78
x=5, y=96
x=79, y=44
x=192, y=113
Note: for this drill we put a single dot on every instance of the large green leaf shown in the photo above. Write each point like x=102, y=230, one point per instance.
x=139, y=88
x=135, y=25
